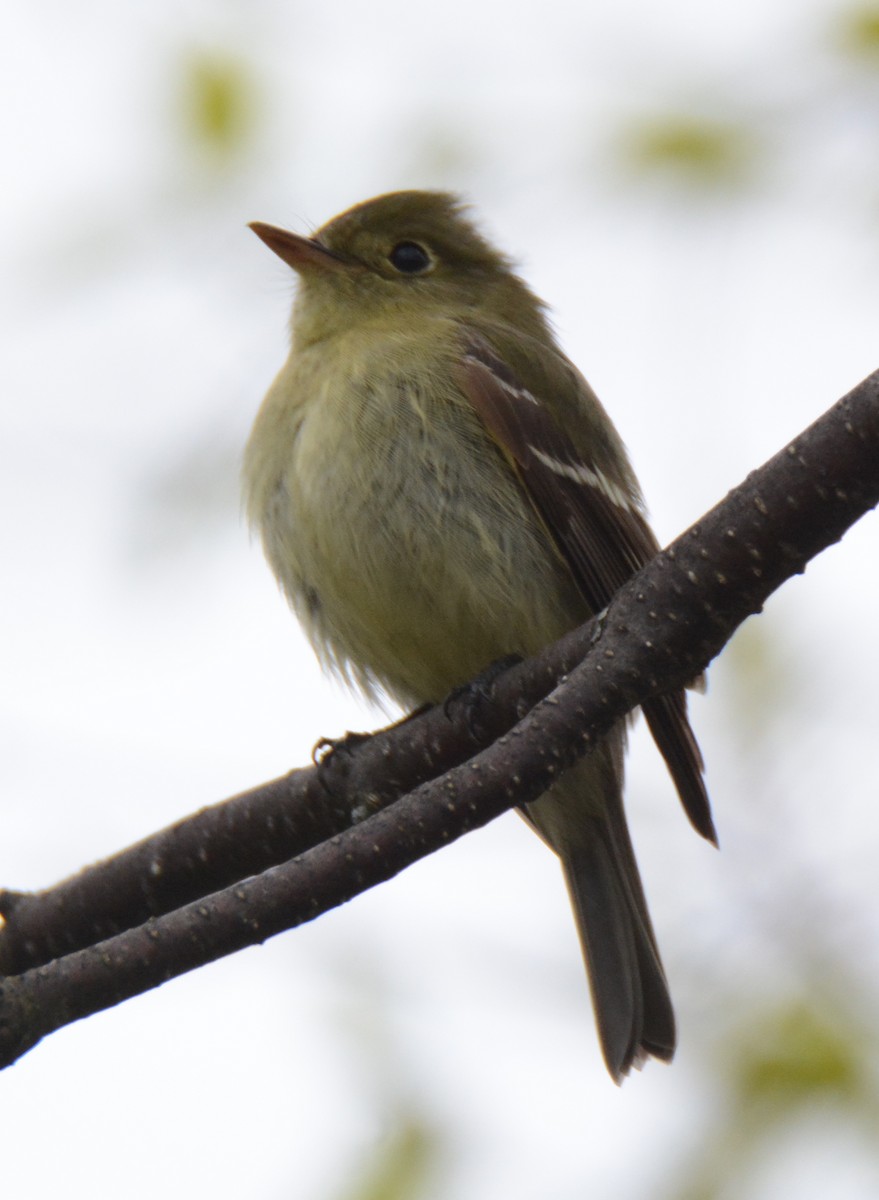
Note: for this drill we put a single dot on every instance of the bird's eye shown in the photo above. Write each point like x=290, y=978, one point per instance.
x=409, y=258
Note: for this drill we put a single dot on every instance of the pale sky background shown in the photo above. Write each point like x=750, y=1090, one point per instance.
x=149, y=665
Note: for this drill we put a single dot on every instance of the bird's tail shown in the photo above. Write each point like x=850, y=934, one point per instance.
x=582, y=819
x=633, y=1008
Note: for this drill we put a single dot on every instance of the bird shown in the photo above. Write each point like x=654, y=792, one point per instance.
x=437, y=487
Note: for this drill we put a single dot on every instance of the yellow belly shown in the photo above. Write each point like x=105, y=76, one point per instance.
x=404, y=541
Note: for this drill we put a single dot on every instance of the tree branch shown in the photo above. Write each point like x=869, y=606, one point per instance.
x=661, y=630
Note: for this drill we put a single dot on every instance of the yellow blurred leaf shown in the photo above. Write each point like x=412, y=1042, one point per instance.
x=219, y=102
x=694, y=148
x=402, y=1166
x=859, y=30
x=794, y=1055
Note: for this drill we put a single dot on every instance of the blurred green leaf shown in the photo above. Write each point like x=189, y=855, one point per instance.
x=859, y=30
x=791, y=1060
x=695, y=149
x=219, y=102
x=794, y=1055
x=402, y=1166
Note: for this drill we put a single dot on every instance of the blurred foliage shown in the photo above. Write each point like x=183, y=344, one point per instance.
x=700, y=150
x=403, y=1166
x=794, y=1054
x=219, y=103
x=799, y=1057
x=858, y=31
x=762, y=676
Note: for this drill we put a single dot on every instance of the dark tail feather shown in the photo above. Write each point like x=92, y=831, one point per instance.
x=667, y=719
x=632, y=1003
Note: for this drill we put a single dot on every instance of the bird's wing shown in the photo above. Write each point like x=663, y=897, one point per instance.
x=597, y=525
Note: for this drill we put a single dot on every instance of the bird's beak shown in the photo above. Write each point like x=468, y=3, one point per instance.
x=300, y=253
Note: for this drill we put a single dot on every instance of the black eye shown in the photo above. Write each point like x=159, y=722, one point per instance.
x=409, y=258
